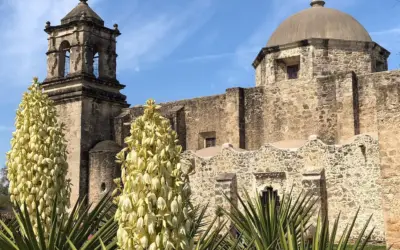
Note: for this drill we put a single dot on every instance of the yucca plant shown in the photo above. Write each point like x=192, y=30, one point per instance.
x=37, y=162
x=84, y=229
x=153, y=205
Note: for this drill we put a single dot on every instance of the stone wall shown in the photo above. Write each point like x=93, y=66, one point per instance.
x=253, y=116
x=83, y=42
x=235, y=116
x=97, y=125
x=344, y=177
x=336, y=56
x=103, y=169
x=87, y=122
x=319, y=57
x=386, y=103
x=70, y=114
x=271, y=68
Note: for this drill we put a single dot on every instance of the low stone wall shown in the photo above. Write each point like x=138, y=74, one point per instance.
x=344, y=177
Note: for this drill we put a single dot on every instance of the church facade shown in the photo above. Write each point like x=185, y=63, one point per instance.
x=323, y=116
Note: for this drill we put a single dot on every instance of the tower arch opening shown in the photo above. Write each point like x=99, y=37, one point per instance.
x=64, y=59
x=96, y=64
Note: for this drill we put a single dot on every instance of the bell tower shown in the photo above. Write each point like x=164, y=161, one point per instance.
x=81, y=79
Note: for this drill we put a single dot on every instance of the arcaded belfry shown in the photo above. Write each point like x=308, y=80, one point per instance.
x=323, y=116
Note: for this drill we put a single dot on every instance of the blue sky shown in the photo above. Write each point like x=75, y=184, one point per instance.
x=168, y=50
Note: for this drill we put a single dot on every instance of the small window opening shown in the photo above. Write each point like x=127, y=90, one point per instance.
x=293, y=71
x=64, y=67
x=96, y=65
x=210, y=142
x=67, y=61
x=171, y=121
x=364, y=152
x=103, y=187
x=269, y=194
x=379, y=66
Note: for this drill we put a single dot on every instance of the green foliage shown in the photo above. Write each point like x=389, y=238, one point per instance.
x=5, y=202
x=208, y=235
x=3, y=182
x=285, y=227
x=153, y=207
x=82, y=229
x=36, y=163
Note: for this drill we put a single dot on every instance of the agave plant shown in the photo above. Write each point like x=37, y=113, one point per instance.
x=323, y=238
x=208, y=235
x=268, y=226
x=84, y=228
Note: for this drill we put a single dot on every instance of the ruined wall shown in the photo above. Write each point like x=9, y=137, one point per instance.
x=344, y=177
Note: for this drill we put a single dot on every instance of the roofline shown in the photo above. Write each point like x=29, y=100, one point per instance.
x=311, y=41
x=50, y=29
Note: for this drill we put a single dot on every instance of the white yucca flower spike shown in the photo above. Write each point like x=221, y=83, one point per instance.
x=155, y=181
x=37, y=162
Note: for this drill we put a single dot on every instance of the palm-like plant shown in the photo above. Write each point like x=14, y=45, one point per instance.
x=82, y=229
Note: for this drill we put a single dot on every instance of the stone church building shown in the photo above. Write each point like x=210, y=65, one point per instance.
x=323, y=115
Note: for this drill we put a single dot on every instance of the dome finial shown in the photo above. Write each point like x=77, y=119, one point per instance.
x=317, y=3
x=83, y=1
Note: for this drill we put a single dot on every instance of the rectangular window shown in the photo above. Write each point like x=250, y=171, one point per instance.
x=210, y=142
x=293, y=71
x=379, y=66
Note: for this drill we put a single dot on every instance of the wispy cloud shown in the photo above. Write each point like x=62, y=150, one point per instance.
x=147, y=38
x=209, y=57
x=151, y=38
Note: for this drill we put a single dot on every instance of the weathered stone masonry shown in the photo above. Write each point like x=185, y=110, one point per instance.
x=320, y=74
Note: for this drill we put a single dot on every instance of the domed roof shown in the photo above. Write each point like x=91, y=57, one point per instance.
x=82, y=10
x=319, y=22
x=106, y=146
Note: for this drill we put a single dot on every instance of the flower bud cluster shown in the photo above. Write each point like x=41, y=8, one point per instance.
x=37, y=162
x=153, y=205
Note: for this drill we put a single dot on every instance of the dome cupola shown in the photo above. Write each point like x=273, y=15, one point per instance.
x=319, y=22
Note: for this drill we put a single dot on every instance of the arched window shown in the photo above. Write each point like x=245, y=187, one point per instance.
x=268, y=195
x=64, y=60
x=96, y=65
